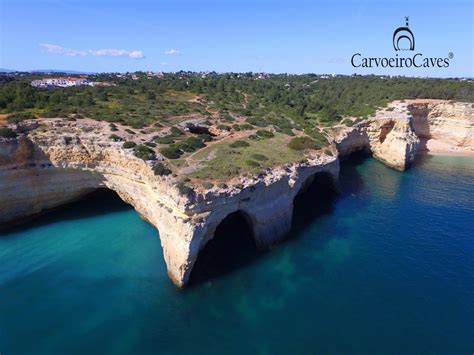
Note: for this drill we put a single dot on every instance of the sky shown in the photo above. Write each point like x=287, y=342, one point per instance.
x=276, y=36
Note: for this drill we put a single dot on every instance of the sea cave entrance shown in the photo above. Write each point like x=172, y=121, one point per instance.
x=315, y=198
x=232, y=247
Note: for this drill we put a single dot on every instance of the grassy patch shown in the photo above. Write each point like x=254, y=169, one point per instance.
x=228, y=161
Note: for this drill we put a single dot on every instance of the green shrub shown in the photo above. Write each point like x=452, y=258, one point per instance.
x=194, y=142
x=252, y=164
x=258, y=122
x=239, y=144
x=302, y=143
x=228, y=117
x=207, y=185
x=286, y=131
x=224, y=127
x=113, y=127
x=183, y=188
x=143, y=152
x=171, y=152
x=347, y=122
x=115, y=138
x=6, y=132
x=328, y=152
x=129, y=131
x=264, y=134
x=163, y=140
x=205, y=137
x=20, y=116
x=160, y=170
x=150, y=144
x=259, y=157
x=176, y=132
x=246, y=127
x=129, y=144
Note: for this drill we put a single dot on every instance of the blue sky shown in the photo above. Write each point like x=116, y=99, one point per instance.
x=292, y=36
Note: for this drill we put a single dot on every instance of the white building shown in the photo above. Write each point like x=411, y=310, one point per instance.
x=59, y=82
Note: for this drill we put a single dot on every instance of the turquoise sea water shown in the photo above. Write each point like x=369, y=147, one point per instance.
x=387, y=268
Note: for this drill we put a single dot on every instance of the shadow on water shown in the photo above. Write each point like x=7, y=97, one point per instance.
x=314, y=200
x=232, y=248
x=350, y=180
x=97, y=203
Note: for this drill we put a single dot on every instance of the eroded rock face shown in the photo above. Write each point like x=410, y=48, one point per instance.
x=446, y=121
x=389, y=135
x=43, y=169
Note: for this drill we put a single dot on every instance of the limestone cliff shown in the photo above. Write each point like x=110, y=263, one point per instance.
x=48, y=166
x=445, y=121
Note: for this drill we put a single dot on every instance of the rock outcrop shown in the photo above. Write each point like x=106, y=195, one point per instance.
x=445, y=121
x=389, y=135
x=45, y=168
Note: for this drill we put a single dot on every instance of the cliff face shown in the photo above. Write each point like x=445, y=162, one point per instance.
x=448, y=122
x=389, y=135
x=46, y=168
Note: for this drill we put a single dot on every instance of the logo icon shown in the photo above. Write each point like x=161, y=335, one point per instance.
x=401, y=36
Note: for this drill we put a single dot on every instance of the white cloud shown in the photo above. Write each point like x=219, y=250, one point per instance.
x=108, y=52
x=172, y=51
x=53, y=48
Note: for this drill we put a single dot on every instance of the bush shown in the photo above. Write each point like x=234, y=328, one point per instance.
x=176, y=132
x=318, y=137
x=128, y=145
x=205, y=137
x=239, y=144
x=246, y=127
x=347, y=122
x=252, y=164
x=160, y=170
x=194, y=142
x=224, y=127
x=207, y=185
x=115, y=138
x=264, y=134
x=150, y=144
x=163, y=140
x=183, y=188
x=6, y=132
x=227, y=117
x=302, y=143
x=20, y=116
x=258, y=122
x=129, y=131
x=328, y=152
x=170, y=152
x=113, y=127
x=259, y=157
x=143, y=152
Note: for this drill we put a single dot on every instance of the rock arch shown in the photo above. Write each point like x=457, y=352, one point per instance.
x=232, y=245
x=314, y=197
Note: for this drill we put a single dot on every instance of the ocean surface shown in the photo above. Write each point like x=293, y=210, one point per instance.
x=385, y=267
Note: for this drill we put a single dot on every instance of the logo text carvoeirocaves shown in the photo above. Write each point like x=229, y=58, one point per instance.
x=403, y=39
x=416, y=61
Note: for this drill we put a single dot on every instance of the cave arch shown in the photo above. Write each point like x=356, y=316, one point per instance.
x=232, y=246
x=314, y=198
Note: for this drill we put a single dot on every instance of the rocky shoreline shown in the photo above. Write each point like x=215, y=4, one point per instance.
x=45, y=168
